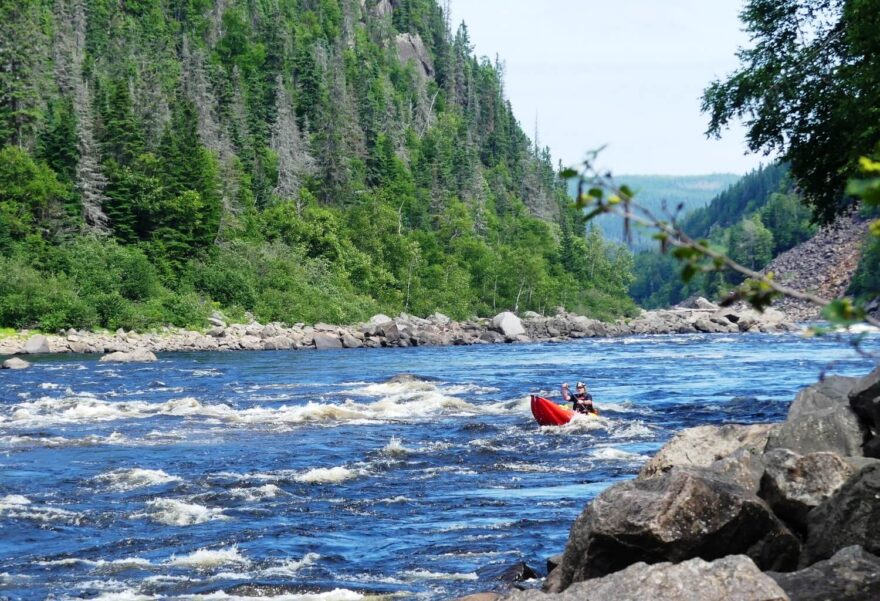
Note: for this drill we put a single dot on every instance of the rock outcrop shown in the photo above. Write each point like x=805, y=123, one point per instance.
x=852, y=574
x=136, y=356
x=864, y=398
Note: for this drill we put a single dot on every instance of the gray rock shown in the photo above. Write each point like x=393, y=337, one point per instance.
x=864, y=398
x=349, y=341
x=251, y=342
x=735, y=577
x=439, y=319
x=508, y=324
x=702, y=303
x=135, y=356
x=327, y=341
x=216, y=332
x=217, y=319
x=36, y=344
x=743, y=467
x=704, y=445
x=15, y=363
x=278, y=343
x=480, y=597
x=491, y=337
x=410, y=47
x=794, y=484
x=851, y=574
x=389, y=331
x=379, y=318
x=679, y=515
x=849, y=517
x=830, y=393
x=836, y=430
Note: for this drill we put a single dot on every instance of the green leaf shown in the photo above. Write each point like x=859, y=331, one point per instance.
x=688, y=272
x=568, y=173
x=596, y=193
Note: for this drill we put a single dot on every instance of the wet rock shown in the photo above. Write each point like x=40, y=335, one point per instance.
x=508, y=574
x=135, y=356
x=703, y=445
x=851, y=574
x=733, y=577
x=864, y=398
x=849, y=517
x=15, y=363
x=508, y=324
x=679, y=515
x=794, y=484
x=326, y=341
x=36, y=344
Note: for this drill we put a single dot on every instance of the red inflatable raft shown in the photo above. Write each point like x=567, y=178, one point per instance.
x=548, y=413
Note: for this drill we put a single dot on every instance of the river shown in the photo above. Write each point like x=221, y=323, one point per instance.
x=304, y=475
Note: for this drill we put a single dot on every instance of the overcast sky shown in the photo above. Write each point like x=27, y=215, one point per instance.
x=627, y=73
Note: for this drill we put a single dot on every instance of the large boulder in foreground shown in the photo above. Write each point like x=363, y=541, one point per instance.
x=676, y=516
x=327, y=341
x=135, y=356
x=852, y=574
x=794, y=484
x=703, y=445
x=849, y=517
x=864, y=398
x=733, y=577
x=508, y=324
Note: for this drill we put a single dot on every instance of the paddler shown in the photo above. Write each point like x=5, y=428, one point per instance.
x=581, y=400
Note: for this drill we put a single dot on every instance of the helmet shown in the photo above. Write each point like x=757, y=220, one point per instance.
x=580, y=385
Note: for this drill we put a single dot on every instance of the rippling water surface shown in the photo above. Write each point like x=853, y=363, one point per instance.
x=303, y=475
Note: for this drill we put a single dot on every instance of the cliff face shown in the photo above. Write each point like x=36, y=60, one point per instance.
x=823, y=265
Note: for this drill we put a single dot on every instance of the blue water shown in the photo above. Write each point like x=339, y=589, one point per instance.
x=302, y=472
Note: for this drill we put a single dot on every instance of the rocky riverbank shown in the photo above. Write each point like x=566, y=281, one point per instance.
x=401, y=331
x=786, y=511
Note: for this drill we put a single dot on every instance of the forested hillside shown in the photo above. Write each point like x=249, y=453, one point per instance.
x=302, y=160
x=754, y=220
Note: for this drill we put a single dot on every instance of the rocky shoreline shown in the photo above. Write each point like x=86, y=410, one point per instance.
x=787, y=511
x=401, y=331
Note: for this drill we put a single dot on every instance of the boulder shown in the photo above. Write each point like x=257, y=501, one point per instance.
x=743, y=467
x=349, y=341
x=507, y=575
x=216, y=332
x=379, y=318
x=864, y=398
x=703, y=445
x=15, y=363
x=508, y=324
x=389, y=331
x=278, y=343
x=679, y=515
x=836, y=430
x=250, y=342
x=830, y=393
x=851, y=574
x=326, y=341
x=794, y=484
x=36, y=344
x=491, y=337
x=217, y=319
x=135, y=356
x=735, y=577
x=702, y=303
x=849, y=517
x=439, y=319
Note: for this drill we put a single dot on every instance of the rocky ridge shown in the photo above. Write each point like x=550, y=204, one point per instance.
x=401, y=331
x=760, y=512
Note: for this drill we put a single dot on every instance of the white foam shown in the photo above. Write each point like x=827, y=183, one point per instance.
x=130, y=479
x=206, y=559
x=395, y=447
x=428, y=575
x=22, y=508
x=115, y=565
x=321, y=475
x=172, y=512
x=393, y=500
x=610, y=453
x=339, y=594
x=268, y=491
x=291, y=566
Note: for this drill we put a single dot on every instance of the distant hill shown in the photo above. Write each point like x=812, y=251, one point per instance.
x=690, y=191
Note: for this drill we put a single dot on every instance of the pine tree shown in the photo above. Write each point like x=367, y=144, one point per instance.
x=294, y=160
x=20, y=53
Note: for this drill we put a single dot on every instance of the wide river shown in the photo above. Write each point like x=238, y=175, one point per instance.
x=305, y=475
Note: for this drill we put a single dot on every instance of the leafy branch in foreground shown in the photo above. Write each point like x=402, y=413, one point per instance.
x=598, y=193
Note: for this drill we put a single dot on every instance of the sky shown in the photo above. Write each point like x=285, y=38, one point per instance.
x=626, y=73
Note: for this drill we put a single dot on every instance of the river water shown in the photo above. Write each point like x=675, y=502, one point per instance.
x=305, y=475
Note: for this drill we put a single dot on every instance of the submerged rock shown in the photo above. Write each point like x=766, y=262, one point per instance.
x=851, y=574
x=136, y=356
x=679, y=515
x=733, y=577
